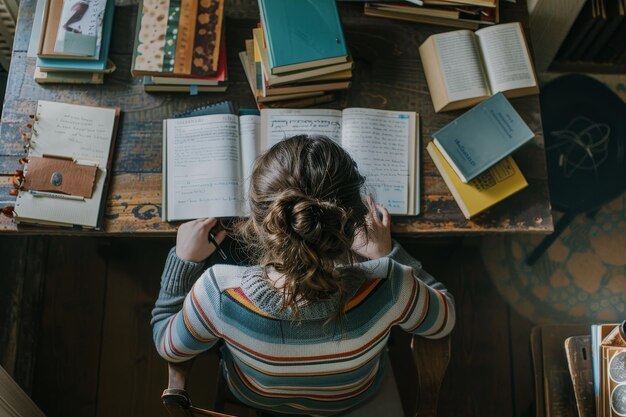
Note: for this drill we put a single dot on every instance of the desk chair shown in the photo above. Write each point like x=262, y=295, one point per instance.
x=583, y=174
x=430, y=357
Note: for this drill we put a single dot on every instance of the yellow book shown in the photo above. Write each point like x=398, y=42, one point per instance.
x=494, y=185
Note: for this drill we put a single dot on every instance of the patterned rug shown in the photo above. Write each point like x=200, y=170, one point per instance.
x=581, y=278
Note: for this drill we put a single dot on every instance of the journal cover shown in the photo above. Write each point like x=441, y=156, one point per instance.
x=302, y=32
x=482, y=136
x=178, y=37
x=52, y=64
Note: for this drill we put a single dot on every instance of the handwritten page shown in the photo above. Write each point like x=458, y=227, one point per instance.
x=78, y=132
x=379, y=141
x=506, y=57
x=249, y=128
x=460, y=64
x=203, y=167
x=279, y=124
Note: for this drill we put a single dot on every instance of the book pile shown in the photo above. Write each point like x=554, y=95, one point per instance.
x=580, y=372
x=598, y=34
x=74, y=42
x=472, y=154
x=467, y=14
x=180, y=46
x=297, y=57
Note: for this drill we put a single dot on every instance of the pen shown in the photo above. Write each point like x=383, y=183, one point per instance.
x=55, y=195
x=217, y=246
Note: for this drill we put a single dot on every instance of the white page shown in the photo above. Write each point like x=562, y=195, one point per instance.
x=279, y=124
x=82, y=133
x=203, y=167
x=249, y=128
x=379, y=143
x=460, y=65
x=506, y=57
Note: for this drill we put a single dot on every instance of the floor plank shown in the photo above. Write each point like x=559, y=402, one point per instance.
x=478, y=382
x=133, y=375
x=521, y=365
x=69, y=343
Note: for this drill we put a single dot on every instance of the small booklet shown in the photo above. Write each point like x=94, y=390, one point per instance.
x=207, y=160
x=464, y=68
x=69, y=162
x=482, y=136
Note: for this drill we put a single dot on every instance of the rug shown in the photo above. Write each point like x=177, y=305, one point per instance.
x=580, y=279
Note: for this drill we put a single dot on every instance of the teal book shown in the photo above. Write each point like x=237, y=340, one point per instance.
x=83, y=65
x=301, y=34
x=481, y=137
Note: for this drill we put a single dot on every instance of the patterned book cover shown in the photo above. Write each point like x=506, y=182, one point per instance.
x=178, y=37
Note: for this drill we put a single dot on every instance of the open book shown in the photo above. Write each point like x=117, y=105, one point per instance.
x=207, y=160
x=463, y=67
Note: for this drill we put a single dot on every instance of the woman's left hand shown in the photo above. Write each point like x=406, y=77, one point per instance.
x=192, y=239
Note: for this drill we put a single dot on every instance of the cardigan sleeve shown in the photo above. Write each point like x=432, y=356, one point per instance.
x=430, y=311
x=181, y=328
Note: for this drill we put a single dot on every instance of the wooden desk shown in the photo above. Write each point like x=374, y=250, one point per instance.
x=388, y=75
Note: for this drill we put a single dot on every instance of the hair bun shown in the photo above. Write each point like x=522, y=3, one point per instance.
x=317, y=223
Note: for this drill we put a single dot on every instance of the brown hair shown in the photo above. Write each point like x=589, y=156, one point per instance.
x=305, y=210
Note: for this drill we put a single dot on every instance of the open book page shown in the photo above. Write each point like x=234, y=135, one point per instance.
x=461, y=65
x=82, y=133
x=249, y=128
x=382, y=142
x=506, y=57
x=203, y=167
x=279, y=124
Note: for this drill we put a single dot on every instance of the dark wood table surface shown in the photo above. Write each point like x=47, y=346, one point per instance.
x=388, y=75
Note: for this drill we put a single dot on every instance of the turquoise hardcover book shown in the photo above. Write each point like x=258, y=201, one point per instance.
x=83, y=65
x=302, y=34
x=482, y=136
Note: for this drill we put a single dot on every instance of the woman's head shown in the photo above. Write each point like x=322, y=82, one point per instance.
x=305, y=209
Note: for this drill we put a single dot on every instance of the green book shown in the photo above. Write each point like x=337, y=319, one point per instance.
x=301, y=34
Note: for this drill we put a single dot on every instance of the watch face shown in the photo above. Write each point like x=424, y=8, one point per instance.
x=617, y=367
x=618, y=400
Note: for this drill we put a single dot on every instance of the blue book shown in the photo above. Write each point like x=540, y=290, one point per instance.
x=482, y=136
x=301, y=34
x=83, y=65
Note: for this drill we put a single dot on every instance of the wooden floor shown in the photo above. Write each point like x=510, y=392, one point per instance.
x=75, y=331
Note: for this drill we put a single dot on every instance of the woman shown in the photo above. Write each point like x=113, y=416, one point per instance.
x=305, y=326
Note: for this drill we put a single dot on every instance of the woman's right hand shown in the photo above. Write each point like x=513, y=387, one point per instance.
x=192, y=239
x=375, y=242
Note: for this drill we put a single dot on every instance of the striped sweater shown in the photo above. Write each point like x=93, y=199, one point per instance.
x=274, y=363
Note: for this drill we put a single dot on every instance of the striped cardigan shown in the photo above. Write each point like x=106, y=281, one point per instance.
x=276, y=364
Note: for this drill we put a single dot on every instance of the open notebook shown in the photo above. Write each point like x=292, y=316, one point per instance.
x=69, y=161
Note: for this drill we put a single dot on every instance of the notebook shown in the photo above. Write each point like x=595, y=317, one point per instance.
x=69, y=160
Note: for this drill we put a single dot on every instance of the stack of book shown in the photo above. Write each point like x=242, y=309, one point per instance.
x=598, y=34
x=472, y=154
x=74, y=41
x=467, y=14
x=181, y=47
x=298, y=55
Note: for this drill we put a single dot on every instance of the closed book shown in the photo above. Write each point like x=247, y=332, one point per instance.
x=43, y=77
x=150, y=86
x=484, y=135
x=492, y=186
x=599, y=21
x=178, y=38
x=302, y=34
x=83, y=65
x=291, y=77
